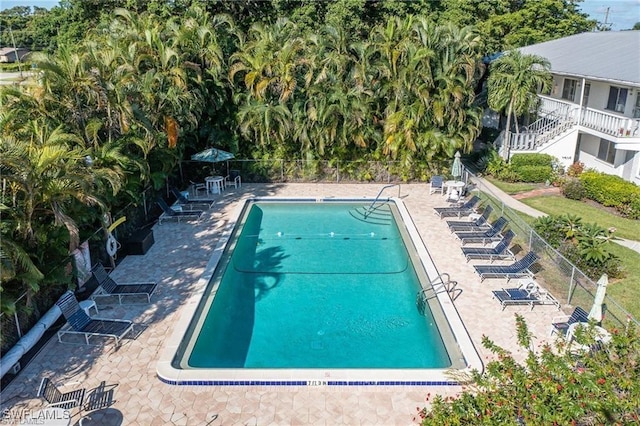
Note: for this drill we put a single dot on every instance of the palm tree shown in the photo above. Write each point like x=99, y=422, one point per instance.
x=513, y=84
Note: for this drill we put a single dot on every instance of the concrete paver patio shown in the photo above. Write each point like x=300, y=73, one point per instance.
x=176, y=261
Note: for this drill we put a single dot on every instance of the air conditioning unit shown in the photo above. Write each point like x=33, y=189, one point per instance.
x=15, y=369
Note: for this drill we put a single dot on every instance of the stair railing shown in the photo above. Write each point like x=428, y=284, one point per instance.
x=370, y=208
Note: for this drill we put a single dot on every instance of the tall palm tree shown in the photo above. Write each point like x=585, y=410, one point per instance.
x=513, y=83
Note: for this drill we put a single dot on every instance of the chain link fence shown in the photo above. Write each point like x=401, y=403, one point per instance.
x=292, y=171
x=554, y=272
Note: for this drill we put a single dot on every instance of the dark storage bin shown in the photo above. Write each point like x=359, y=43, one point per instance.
x=140, y=242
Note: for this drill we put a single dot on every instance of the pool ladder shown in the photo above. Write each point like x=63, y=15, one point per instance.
x=442, y=283
x=370, y=208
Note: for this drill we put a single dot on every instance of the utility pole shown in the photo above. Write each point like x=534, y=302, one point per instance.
x=606, y=25
x=15, y=50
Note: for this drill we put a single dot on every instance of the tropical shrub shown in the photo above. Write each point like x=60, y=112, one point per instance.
x=612, y=191
x=583, y=244
x=573, y=189
x=553, y=386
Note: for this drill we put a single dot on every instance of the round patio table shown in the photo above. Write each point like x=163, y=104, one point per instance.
x=214, y=184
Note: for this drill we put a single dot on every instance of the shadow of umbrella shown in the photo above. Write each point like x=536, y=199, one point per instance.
x=105, y=417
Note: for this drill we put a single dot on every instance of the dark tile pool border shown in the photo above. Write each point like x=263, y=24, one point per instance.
x=310, y=383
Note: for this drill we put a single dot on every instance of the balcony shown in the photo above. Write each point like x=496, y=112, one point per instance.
x=607, y=125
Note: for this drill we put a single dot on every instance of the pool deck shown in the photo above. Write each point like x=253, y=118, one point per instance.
x=176, y=261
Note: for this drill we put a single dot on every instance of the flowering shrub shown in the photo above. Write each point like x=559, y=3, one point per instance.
x=553, y=386
x=575, y=169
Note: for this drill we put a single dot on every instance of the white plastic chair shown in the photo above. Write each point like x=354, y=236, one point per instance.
x=236, y=182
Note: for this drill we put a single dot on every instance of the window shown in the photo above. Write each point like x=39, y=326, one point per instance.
x=569, y=89
x=607, y=151
x=636, y=109
x=587, y=90
x=617, y=99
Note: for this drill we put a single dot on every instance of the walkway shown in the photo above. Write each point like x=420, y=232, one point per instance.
x=515, y=204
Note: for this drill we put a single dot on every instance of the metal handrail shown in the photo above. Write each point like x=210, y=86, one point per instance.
x=370, y=208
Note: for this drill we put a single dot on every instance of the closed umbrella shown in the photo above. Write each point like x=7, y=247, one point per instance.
x=456, y=168
x=596, y=309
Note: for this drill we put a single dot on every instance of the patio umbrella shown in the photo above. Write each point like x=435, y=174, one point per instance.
x=596, y=309
x=212, y=155
x=456, y=168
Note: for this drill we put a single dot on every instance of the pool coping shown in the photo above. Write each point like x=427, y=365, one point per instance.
x=167, y=373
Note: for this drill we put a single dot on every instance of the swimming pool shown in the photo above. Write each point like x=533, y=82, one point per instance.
x=308, y=291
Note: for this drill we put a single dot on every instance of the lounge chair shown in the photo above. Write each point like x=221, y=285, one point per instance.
x=78, y=322
x=488, y=236
x=460, y=211
x=198, y=204
x=518, y=269
x=480, y=224
x=560, y=324
x=169, y=213
x=436, y=185
x=529, y=294
x=55, y=398
x=500, y=251
x=108, y=287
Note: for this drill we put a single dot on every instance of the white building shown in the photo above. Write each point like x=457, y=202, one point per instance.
x=593, y=112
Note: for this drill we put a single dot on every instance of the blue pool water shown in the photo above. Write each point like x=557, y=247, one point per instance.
x=315, y=285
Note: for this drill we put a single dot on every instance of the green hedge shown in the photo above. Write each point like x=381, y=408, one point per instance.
x=520, y=160
x=612, y=191
x=535, y=174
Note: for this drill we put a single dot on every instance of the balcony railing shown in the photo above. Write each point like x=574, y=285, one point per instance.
x=600, y=121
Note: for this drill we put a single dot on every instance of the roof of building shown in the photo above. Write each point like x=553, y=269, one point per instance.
x=607, y=55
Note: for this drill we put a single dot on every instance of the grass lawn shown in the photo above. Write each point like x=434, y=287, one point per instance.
x=627, y=290
x=557, y=205
x=515, y=187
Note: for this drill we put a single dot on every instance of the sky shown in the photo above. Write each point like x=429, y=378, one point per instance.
x=622, y=13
